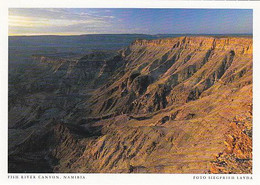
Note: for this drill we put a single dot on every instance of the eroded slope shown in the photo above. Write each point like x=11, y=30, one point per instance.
x=167, y=106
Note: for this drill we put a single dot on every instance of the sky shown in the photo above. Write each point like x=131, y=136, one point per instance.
x=76, y=21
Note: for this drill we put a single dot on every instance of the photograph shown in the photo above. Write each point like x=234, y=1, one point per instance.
x=130, y=90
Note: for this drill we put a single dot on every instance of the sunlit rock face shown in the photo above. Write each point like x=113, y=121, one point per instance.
x=177, y=105
x=160, y=73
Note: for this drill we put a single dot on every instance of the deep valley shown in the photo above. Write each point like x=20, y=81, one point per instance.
x=154, y=105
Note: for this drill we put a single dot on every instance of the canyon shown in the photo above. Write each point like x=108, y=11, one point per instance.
x=168, y=105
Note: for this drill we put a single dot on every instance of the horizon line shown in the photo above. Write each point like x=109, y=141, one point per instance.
x=26, y=35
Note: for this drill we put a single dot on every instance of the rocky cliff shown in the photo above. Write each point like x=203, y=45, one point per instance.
x=174, y=105
x=160, y=73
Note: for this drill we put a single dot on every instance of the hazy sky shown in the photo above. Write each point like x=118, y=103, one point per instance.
x=35, y=21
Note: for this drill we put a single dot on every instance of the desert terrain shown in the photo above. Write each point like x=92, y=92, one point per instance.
x=160, y=105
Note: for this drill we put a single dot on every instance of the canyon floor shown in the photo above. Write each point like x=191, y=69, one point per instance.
x=171, y=105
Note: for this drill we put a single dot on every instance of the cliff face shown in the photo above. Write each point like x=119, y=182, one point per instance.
x=240, y=45
x=160, y=73
x=174, y=105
